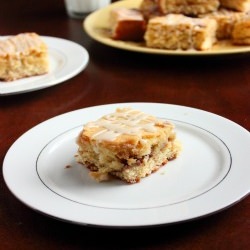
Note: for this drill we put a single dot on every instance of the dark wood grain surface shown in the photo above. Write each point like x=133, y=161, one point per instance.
x=219, y=84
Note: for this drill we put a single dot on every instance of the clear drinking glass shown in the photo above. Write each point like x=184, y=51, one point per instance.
x=81, y=8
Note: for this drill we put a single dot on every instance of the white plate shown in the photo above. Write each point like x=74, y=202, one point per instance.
x=67, y=59
x=211, y=173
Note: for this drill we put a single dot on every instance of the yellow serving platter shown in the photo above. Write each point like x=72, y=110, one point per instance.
x=97, y=27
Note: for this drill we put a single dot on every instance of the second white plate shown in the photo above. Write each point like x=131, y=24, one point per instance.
x=66, y=58
x=210, y=174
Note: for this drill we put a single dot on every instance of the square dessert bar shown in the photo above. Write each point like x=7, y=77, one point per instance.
x=241, y=31
x=188, y=7
x=127, y=24
x=23, y=55
x=176, y=31
x=127, y=144
x=226, y=19
x=152, y=8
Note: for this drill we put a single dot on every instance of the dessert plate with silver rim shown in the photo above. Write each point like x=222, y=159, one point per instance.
x=210, y=174
x=97, y=26
x=66, y=58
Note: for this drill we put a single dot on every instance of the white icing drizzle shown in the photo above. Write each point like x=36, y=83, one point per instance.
x=123, y=13
x=127, y=121
x=20, y=44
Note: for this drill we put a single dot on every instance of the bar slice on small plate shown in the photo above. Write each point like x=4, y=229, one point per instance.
x=23, y=55
x=127, y=144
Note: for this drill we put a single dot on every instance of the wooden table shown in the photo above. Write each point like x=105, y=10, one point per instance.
x=219, y=84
